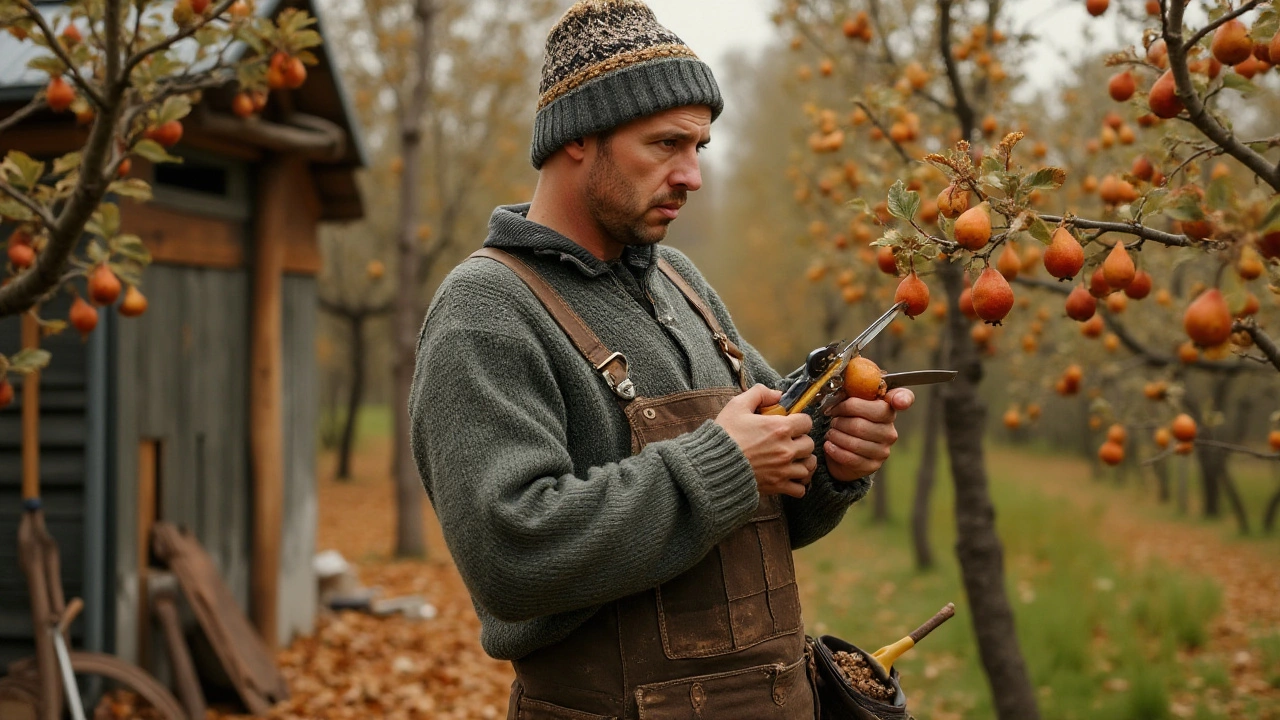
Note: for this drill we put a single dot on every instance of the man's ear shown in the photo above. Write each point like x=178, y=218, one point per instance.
x=577, y=148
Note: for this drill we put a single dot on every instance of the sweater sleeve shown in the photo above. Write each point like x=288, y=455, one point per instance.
x=529, y=536
x=824, y=505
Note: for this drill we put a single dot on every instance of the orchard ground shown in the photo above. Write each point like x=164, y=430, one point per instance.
x=1125, y=610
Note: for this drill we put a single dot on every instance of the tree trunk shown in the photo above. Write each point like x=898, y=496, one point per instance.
x=1161, y=470
x=880, y=495
x=1233, y=497
x=1184, y=489
x=356, y=391
x=977, y=544
x=1269, y=520
x=924, y=480
x=407, y=313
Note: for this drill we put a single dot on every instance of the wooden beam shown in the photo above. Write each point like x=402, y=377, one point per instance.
x=30, y=415
x=179, y=238
x=148, y=472
x=266, y=391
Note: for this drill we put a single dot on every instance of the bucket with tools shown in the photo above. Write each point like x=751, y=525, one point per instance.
x=854, y=684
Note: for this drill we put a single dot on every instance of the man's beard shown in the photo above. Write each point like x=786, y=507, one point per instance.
x=618, y=209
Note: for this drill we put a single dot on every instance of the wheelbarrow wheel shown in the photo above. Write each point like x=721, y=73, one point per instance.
x=127, y=675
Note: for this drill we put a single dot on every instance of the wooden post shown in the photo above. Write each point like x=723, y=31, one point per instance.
x=266, y=393
x=30, y=415
x=148, y=472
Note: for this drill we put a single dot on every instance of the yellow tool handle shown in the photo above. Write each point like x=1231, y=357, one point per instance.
x=888, y=654
x=806, y=398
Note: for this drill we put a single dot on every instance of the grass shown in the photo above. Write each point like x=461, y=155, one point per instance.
x=1101, y=639
x=372, y=421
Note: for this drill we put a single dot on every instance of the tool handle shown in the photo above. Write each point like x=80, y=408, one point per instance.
x=69, y=614
x=773, y=410
x=943, y=615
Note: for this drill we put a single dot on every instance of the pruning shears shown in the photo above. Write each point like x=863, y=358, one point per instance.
x=822, y=375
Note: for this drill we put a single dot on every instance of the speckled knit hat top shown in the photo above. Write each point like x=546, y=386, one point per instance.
x=608, y=62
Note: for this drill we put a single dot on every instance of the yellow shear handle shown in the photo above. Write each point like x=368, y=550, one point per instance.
x=806, y=398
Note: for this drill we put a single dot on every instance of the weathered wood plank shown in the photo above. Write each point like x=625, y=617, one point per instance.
x=297, y=604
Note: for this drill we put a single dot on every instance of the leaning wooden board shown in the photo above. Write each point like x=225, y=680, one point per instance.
x=240, y=649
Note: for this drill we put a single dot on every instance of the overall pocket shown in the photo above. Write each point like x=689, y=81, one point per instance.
x=741, y=594
x=763, y=692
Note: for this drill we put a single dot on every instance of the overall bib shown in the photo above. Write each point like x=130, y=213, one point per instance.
x=724, y=639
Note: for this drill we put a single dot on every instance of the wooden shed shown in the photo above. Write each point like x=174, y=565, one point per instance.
x=203, y=411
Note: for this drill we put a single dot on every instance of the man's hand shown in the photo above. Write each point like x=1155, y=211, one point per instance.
x=861, y=434
x=777, y=446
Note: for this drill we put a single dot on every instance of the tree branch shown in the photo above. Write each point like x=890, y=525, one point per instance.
x=963, y=111
x=182, y=34
x=55, y=45
x=1218, y=23
x=1230, y=447
x=876, y=121
x=1132, y=227
x=36, y=105
x=27, y=202
x=1264, y=341
x=1198, y=114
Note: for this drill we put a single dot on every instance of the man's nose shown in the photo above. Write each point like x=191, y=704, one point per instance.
x=687, y=175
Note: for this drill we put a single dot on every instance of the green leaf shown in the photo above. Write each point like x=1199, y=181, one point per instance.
x=11, y=208
x=174, y=108
x=1039, y=230
x=96, y=252
x=1266, y=26
x=1239, y=82
x=859, y=206
x=135, y=188
x=105, y=221
x=1219, y=195
x=48, y=64
x=131, y=247
x=1234, y=291
x=1271, y=221
x=903, y=203
x=1046, y=178
x=1184, y=206
x=66, y=163
x=892, y=238
x=153, y=151
x=305, y=39
x=991, y=165
x=22, y=170
x=29, y=360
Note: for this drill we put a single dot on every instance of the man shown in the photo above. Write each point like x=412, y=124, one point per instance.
x=585, y=417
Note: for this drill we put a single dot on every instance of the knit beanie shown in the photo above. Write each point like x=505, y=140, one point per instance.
x=608, y=62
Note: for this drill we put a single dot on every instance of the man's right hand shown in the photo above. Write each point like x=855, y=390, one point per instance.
x=778, y=446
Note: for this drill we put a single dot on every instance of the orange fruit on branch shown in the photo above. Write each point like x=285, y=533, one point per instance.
x=1065, y=256
x=104, y=286
x=864, y=380
x=992, y=296
x=1231, y=43
x=134, y=303
x=1141, y=285
x=1184, y=428
x=1207, y=319
x=1122, y=86
x=1118, y=268
x=914, y=292
x=1080, y=304
x=1163, y=99
x=83, y=316
x=973, y=228
x=1111, y=453
x=58, y=94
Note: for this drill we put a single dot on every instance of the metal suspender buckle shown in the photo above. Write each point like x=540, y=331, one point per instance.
x=624, y=389
x=733, y=354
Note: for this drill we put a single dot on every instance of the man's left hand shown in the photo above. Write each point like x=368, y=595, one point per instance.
x=862, y=432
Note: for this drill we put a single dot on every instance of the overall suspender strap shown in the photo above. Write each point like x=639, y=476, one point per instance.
x=730, y=351
x=612, y=366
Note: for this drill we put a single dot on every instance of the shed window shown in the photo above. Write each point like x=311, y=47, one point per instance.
x=197, y=177
x=203, y=183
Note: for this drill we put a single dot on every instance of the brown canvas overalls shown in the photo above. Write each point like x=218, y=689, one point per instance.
x=724, y=639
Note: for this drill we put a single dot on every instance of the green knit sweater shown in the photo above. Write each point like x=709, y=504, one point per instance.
x=526, y=454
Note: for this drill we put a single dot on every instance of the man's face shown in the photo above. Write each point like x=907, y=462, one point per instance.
x=641, y=174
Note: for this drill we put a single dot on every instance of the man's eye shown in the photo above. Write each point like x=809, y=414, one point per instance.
x=669, y=143
x=702, y=146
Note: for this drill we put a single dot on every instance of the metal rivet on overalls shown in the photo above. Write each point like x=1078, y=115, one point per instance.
x=650, y=413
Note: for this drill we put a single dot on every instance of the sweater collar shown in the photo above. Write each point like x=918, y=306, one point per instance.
x=511, y=228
